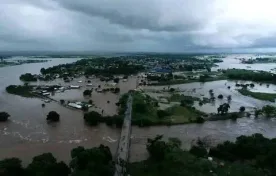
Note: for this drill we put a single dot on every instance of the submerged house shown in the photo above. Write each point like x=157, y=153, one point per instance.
x=74, y=105
x=74, y=87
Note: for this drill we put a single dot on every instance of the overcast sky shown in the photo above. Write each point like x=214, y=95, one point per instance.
x=137, y=25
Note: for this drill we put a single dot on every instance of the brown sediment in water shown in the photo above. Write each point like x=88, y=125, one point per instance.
x=27, y=134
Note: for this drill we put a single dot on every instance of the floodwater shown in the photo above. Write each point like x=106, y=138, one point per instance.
x=221, y=87
x=213, y=132
x=27, y=134
x=232, y=61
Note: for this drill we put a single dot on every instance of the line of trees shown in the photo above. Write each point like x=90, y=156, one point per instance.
x=96, y=161
x=167, y=158
x=28, y=77
x=242, y=74
x=93, y=118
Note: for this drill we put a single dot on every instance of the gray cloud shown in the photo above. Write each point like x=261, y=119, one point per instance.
x=137, y=25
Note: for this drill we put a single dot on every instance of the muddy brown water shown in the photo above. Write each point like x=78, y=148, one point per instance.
x=27, y=134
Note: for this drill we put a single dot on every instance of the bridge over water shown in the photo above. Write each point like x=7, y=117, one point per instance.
x=122, y=154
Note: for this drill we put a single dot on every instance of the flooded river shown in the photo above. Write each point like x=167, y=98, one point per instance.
x=27, y=134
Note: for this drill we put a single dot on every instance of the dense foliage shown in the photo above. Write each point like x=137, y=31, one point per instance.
x=28, y=77
x=256, y=149
x=167, y=158
x=99, y=66
x=95, y=161
x=87, y=92
x=93, y=118
x=24, y=90
x=258, y=76
x=4, y=116
x=53, y=116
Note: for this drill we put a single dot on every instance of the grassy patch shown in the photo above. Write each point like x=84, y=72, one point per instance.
x=180, y=114
x=258, y=95
x=145, y=112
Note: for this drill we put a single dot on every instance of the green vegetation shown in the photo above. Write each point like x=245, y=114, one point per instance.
x=28, y=77
x=268, y=111
x=4, y=116
x=184, y=81
x=258, y=95
x=242, y=109
x=180, y=97
x=53, y=116
x=24, y=91
x=184, y=114
x=87, y=92
x=232, y=116
x=256, y=150
x=93, y=118
x=249, y=75
x=167, y=158
x=96, y=161
x=99, y=66
x=6, y=62
x=223, y=109
x=145, y=111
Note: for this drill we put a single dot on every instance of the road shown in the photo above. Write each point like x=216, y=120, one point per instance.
x=124, y=143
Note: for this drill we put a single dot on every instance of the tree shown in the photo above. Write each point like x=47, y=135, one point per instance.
x=200, y=120
x=84, y=108
x=161, y=113
x=116, y=80
x=4, y=116
x=45, y=165
x=92, y=118
x=76, y=151
x=11, y=167
x=95, y=161
x=198, y=151
x=257, y=112
x=268, y=110
x=234, y=116
x=28, y=77
x=62, y=101
x=87, y=92
x=42, y=71
x=223, y=109
x=157, y=148
x=117, y=90
x=220, y=96
x=172, y=89
x=202, y=78
x=118, y=120
x=53, y=116
x=242, y=109
x=229, y=97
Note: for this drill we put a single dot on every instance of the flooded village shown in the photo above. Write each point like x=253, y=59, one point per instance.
x=174, y=95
